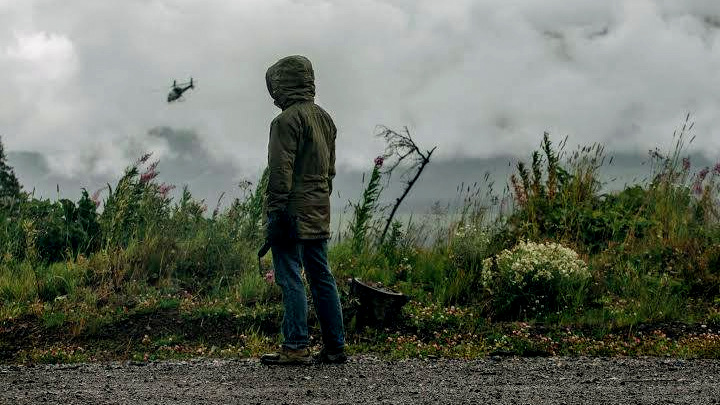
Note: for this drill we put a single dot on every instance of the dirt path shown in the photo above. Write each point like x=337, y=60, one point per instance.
x=370, y=380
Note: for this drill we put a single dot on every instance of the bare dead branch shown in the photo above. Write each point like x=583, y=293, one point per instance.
x=402, y=146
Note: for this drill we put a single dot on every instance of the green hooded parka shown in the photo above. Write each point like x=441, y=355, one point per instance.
x=301, y=151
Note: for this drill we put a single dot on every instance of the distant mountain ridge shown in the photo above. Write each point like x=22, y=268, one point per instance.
x=208, y=179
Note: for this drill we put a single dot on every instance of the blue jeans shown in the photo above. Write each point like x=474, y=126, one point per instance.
x=312, y=256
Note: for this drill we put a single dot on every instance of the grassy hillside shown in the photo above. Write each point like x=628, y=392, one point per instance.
x=551, y=265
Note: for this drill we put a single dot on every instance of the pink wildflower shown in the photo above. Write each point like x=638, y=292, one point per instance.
x=96, y=197
x=702, y=174
x=270, y=277
x=165, y=189
x=686, y=164
x=147, y=176
x=150, y=173
x=697, y=188
x=716, y=169
x=379, y=161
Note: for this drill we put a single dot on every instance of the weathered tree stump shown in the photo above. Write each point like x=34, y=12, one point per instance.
x=379, y=306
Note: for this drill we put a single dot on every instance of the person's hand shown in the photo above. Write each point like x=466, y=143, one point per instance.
x=281, y=228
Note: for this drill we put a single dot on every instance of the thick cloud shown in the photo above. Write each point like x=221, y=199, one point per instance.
x=84, y=81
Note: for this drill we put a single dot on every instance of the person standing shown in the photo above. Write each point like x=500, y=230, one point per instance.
x=301, y=162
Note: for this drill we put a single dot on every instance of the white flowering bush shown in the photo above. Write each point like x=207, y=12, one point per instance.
x=533, y=278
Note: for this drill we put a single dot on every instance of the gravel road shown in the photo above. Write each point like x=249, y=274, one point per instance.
x=366, y=379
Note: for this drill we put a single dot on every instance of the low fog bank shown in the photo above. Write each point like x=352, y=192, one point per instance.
x=208, y=179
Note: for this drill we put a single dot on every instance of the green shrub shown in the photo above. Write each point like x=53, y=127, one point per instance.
x=469, y=247
x=46, y=231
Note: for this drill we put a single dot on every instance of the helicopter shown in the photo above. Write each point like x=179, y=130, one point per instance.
x=177, y=90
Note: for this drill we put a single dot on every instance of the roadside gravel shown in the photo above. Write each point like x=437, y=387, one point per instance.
x=367, y=379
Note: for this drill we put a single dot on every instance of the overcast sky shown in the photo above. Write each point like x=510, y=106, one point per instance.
x=84, y=83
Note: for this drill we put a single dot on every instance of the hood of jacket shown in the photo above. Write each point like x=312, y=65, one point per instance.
x=291, y=80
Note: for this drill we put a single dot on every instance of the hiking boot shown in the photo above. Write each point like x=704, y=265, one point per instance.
x=331, y=357
x=287, y=356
